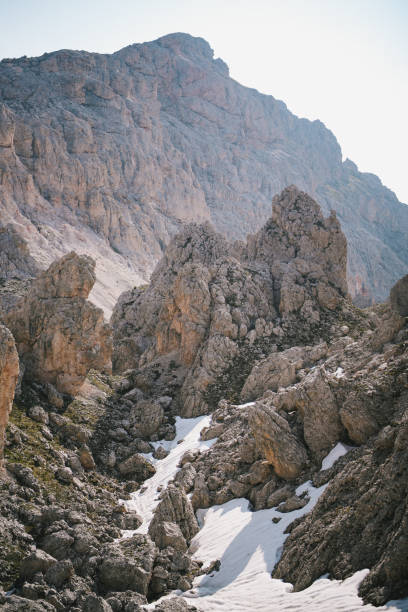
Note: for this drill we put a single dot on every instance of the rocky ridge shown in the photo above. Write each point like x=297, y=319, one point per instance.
x=107, y=155
x=59, y=511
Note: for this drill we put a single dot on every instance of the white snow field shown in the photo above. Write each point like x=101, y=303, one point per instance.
x=248, y=544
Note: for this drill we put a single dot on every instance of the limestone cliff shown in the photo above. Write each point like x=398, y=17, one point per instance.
x=107, y=154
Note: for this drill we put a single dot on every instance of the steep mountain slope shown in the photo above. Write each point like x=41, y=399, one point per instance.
x=107, y=154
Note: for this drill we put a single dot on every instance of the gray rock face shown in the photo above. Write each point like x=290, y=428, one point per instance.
x=15, y=259
x=109, y=153
x=399, y=296
x=127, y=565
x=174, y=507
x=279, y=370
x=276, y=442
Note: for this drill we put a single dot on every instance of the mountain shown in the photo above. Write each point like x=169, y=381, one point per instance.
x=250, y=447
x=108, y=154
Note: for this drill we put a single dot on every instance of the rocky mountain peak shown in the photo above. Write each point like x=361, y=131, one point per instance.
x=191, y=46
x=195, y=243
x=209, y=298
x=305, y=252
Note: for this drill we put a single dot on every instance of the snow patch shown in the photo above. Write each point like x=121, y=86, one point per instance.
x=245, y=405
x=145, y=500
x=338, y=451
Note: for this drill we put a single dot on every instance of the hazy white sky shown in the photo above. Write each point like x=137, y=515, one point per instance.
x=341, y=61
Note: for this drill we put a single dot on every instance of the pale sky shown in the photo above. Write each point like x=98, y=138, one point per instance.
x=341, y=61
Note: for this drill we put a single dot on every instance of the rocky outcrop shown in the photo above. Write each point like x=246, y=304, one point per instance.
x=173, y=517
x=107, y=154
x=359, y=522
x=276, y=442
x=280, y=369
x=360, y=519
x=127, y=565
x=306, y=253
x=211, y=304
x=59, y=335
x=9, y=370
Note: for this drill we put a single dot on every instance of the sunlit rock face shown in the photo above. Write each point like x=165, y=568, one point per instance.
x=108, y=154
x=209, y=301
x=59, y=335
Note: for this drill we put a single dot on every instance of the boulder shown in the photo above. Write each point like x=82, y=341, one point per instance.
x=276, y=442
x=93, y=603
x=137, y=467
x=58, y=544
x=127, y=565
x=146, y=418
x=164, y=534
x=174, y=507
x=37, y=413
x=36, y=562
x=59, y=572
